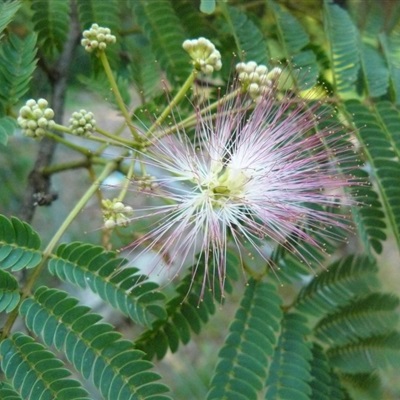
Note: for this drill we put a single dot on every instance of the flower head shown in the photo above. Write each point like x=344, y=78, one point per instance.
x=251, y=176
x=205, y=57
x=35, y=117
x=82, y=123
x=115, y=213
x=97, y=38
x=256, y=79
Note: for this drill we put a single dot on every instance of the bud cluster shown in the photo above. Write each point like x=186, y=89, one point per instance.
x=115, y=213
x=146, y=182
x=206, y=58
x=97, y=37
x=256, y=79
x=82, y=123
x=35, y=117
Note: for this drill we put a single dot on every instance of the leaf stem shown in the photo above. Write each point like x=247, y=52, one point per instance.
x=178, y=97
x=117, y=94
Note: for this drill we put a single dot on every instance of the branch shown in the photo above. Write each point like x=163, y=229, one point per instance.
x=38, y=183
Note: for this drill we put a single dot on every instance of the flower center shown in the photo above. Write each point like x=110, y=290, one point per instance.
x=227, y=184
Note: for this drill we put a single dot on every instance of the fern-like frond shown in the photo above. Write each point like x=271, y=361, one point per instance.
x=7, y=128
x=7, y=12
x=344, y=46
x=244, y=358
x=365, y=317
x=337, y=285
x=324, y=383
x=36, y=373
x=95, y=349
x=250, y=43
x=375, y=71
x=18, y=62
x=367, y=355
x=165, y=33
x=19, y=245
x=9, y=292
x=290, y=372
x=187, y=312
x=378, y=134
x=125, y=289
x=51, y=22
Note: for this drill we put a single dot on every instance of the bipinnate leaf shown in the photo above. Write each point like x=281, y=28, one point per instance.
x=338, y=285
x=95, y=349
x=125, y=289
x=35, y=372
x=253, y=334
x=19, y=245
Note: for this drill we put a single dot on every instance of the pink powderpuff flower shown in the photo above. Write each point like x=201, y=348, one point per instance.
x=250, y=176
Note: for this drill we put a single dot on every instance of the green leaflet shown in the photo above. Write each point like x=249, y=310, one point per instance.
x=337, y=285
x=35, y=372
x=51, y=20
x=366, y=355
x=95, y=349
x=344, y=46
x=290, y=371
x=244, y=358
x=7, y=13
x=19, y=245
x=9, y=292
x=17, y=66
x=125, y=289
x=367, y=316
